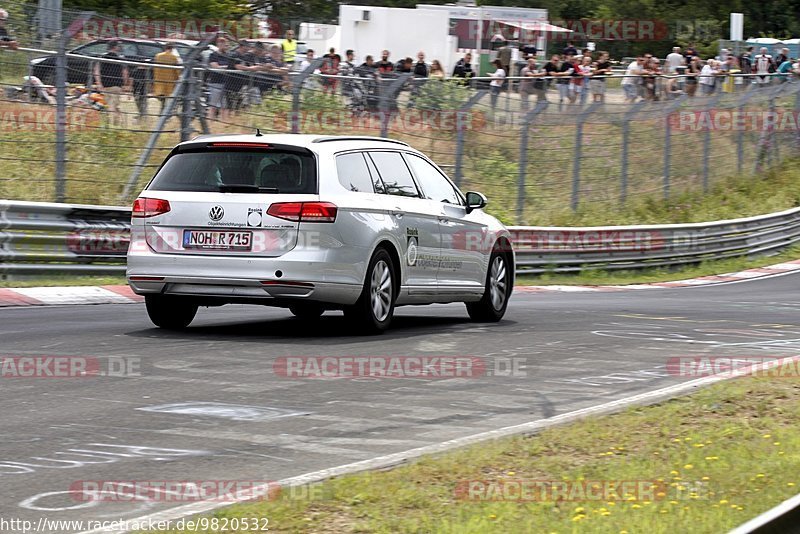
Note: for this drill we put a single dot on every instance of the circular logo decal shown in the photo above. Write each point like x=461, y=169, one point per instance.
x=411, y=253
x=216, y=213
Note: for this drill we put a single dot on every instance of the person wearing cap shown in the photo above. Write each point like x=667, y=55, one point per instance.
x=164, y=79
x=6, y=40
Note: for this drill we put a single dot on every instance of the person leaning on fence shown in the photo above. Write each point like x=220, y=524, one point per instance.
x=347, y=68
x=532, y=84
x=463, y=68
x=597, y=84
x=498, y=79
x=164, y=79
x=330, y=67
x=692, y=72
x=6, y=40
x=708, y=77
x=764, y=65
x=385, y=66
x=436, y=72
x=218, y=82
x=110, y=79
x=632, y=79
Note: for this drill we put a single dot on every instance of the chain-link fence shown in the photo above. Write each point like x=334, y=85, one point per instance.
x=539, y=148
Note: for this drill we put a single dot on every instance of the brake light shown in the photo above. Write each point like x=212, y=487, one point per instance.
x=240, y=145
x=304, y=211
x=149, y=207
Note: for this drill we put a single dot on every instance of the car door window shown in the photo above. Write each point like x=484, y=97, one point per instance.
x=94, y=49
x=148, y=50
x=129, y=50
x=434, y=185
x=353, y=172
x=395, y=174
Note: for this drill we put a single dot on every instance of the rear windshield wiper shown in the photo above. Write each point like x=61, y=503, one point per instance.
x=246, y=188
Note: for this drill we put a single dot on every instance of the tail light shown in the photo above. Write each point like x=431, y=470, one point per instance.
x=149, y=207
x=304, y=211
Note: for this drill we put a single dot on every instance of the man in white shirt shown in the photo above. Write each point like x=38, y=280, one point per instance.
x=632, y=79
x=707, y=79
x=675, y=60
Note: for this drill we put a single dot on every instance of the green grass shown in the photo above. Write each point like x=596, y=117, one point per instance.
x=723, y=455
x=52, y=281
x=621, y=277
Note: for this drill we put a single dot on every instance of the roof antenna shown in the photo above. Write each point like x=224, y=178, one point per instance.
x=258, y=132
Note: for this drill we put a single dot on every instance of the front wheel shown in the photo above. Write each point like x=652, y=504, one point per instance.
x=170, y=313
x=373, y=311
x=494, y=302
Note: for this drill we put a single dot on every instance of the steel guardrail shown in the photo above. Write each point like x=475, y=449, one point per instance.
x=48, y=238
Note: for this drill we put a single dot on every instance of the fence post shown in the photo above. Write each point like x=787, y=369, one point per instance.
x=298, y=87
x=388, y=94
x=459, y=172
x=707, y=140
x=576, y=162
x=740, y=133
x=626, y=134
x=668, y=141
x=523, y=156
x=61, y=97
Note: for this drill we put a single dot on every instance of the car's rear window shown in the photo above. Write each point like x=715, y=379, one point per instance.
x=275, y=171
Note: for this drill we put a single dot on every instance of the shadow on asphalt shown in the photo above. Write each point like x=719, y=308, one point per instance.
x=331, y=327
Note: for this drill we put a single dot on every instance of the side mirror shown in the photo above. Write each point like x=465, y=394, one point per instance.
x=475, y=201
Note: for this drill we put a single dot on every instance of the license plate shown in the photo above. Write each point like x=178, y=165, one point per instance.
x=217, y=239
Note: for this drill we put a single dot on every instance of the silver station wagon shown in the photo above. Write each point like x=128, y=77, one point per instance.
x=313, y=223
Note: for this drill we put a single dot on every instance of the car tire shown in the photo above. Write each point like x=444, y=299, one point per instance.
x=372, y=313
x=499, y=286
x=307, y=311
x=170, y=313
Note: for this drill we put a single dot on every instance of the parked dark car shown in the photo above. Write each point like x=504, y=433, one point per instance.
x=79, y=69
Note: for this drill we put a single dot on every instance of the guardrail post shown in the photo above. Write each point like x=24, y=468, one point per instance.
x=668, y=141
x=576, y=161
x=298, y=87
x=626, y=135
x=460, y=133
x=388, y=95
x=707, y=140
x=523, y=156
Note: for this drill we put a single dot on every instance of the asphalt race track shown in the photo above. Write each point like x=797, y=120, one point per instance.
x=206, y=404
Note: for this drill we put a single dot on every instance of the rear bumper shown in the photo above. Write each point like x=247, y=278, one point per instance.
x=325, y=276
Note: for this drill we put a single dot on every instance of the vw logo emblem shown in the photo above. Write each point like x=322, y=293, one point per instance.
x=216, y=213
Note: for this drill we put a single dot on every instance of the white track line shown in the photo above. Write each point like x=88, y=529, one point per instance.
x=391, y=460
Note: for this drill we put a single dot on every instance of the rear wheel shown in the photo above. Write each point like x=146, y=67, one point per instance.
x=307, y=311
x=171, y=313
x=373, y=311
x=494, y=302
